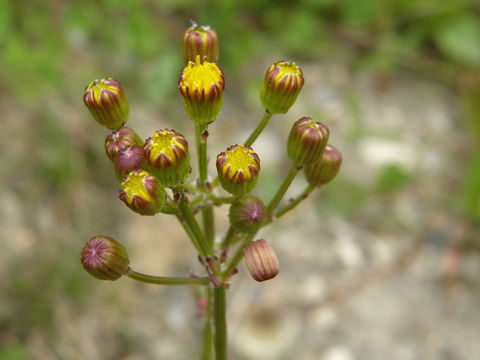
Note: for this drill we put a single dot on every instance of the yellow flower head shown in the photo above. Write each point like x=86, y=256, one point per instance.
x=167, y=155
x=201, y=85
x=238, y=168
x=142, y=192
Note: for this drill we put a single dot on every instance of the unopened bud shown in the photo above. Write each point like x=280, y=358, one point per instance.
x=201, y=85
x=262, y=262
x=104, y=258
x=202, y=41
x=325, y=168
x=143, y=193
x=246, y=213
x=119, y=140
x=129, y=159
x=238, y=169
x=167, y=155
x=282, y=84
x=307, y=141
x=106, y=101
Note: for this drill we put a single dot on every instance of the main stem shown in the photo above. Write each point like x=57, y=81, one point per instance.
x=258, y=130
x=201, y=136
x=220, y=323
x=207, y=350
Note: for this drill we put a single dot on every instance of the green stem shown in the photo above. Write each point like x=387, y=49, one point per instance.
x=198, y=239
x=238, y=256
x=220, y=324
x=207, y=351
x=282, y=211
x=272, y=205
x=258, y=130
x=201, y=136
x=160, y=280
x=228, y=238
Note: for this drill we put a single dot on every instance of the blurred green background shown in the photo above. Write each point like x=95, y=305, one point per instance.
x=58, y=188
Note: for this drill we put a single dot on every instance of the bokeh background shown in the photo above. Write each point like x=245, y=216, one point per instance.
x=382, y=263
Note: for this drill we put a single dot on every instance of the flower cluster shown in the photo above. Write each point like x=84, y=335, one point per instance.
x=155, y=173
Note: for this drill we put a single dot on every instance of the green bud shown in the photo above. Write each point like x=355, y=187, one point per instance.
x=282, y=84
x=104, y=258
x=325, y=168
x=246, y=213
x=307, y=141
x=106, y=101
x=261, y=260
x=129, y=159
x=119, y=140
x=202, y=41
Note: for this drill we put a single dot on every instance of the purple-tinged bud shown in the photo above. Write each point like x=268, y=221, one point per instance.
x=129, y=159
x=104, y=258
x=325, y=168
x=202, y=41
x=238, y=169
x=119, y=140
x=246, y=213
x=143, y=193
x=307, y=141
x=282, y=84
x=107, y=103
x=262, y=262
x=201, y=85
x=167, y=155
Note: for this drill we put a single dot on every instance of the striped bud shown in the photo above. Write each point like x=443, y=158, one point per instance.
x=106, y=101
x=282, y=84
x=262, y=262
x=129, y=159
x=325, y=168
x=238, y=169
x=167, y=155
x=202, y=41
x=307, y=141
x=201, y=85
x=246, y=213
x=119, y=140
x=142, y=192
x=104, y=258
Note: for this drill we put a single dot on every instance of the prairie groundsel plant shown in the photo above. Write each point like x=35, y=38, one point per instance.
x=155, y=178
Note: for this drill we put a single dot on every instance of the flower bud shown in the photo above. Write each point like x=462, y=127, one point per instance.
x=167, y=155
x=246, y=213
x=142, y=192
x=262, y=262
x=104, y=258
x=307, y=141
x=283, y=82
x=119, y=140
x=202, y=41
x=201, y=85
x=106, y=101
x=325, y=168
x=237, y=169
x=129, y=159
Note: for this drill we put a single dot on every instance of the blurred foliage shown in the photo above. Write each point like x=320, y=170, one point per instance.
x=138, y=40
